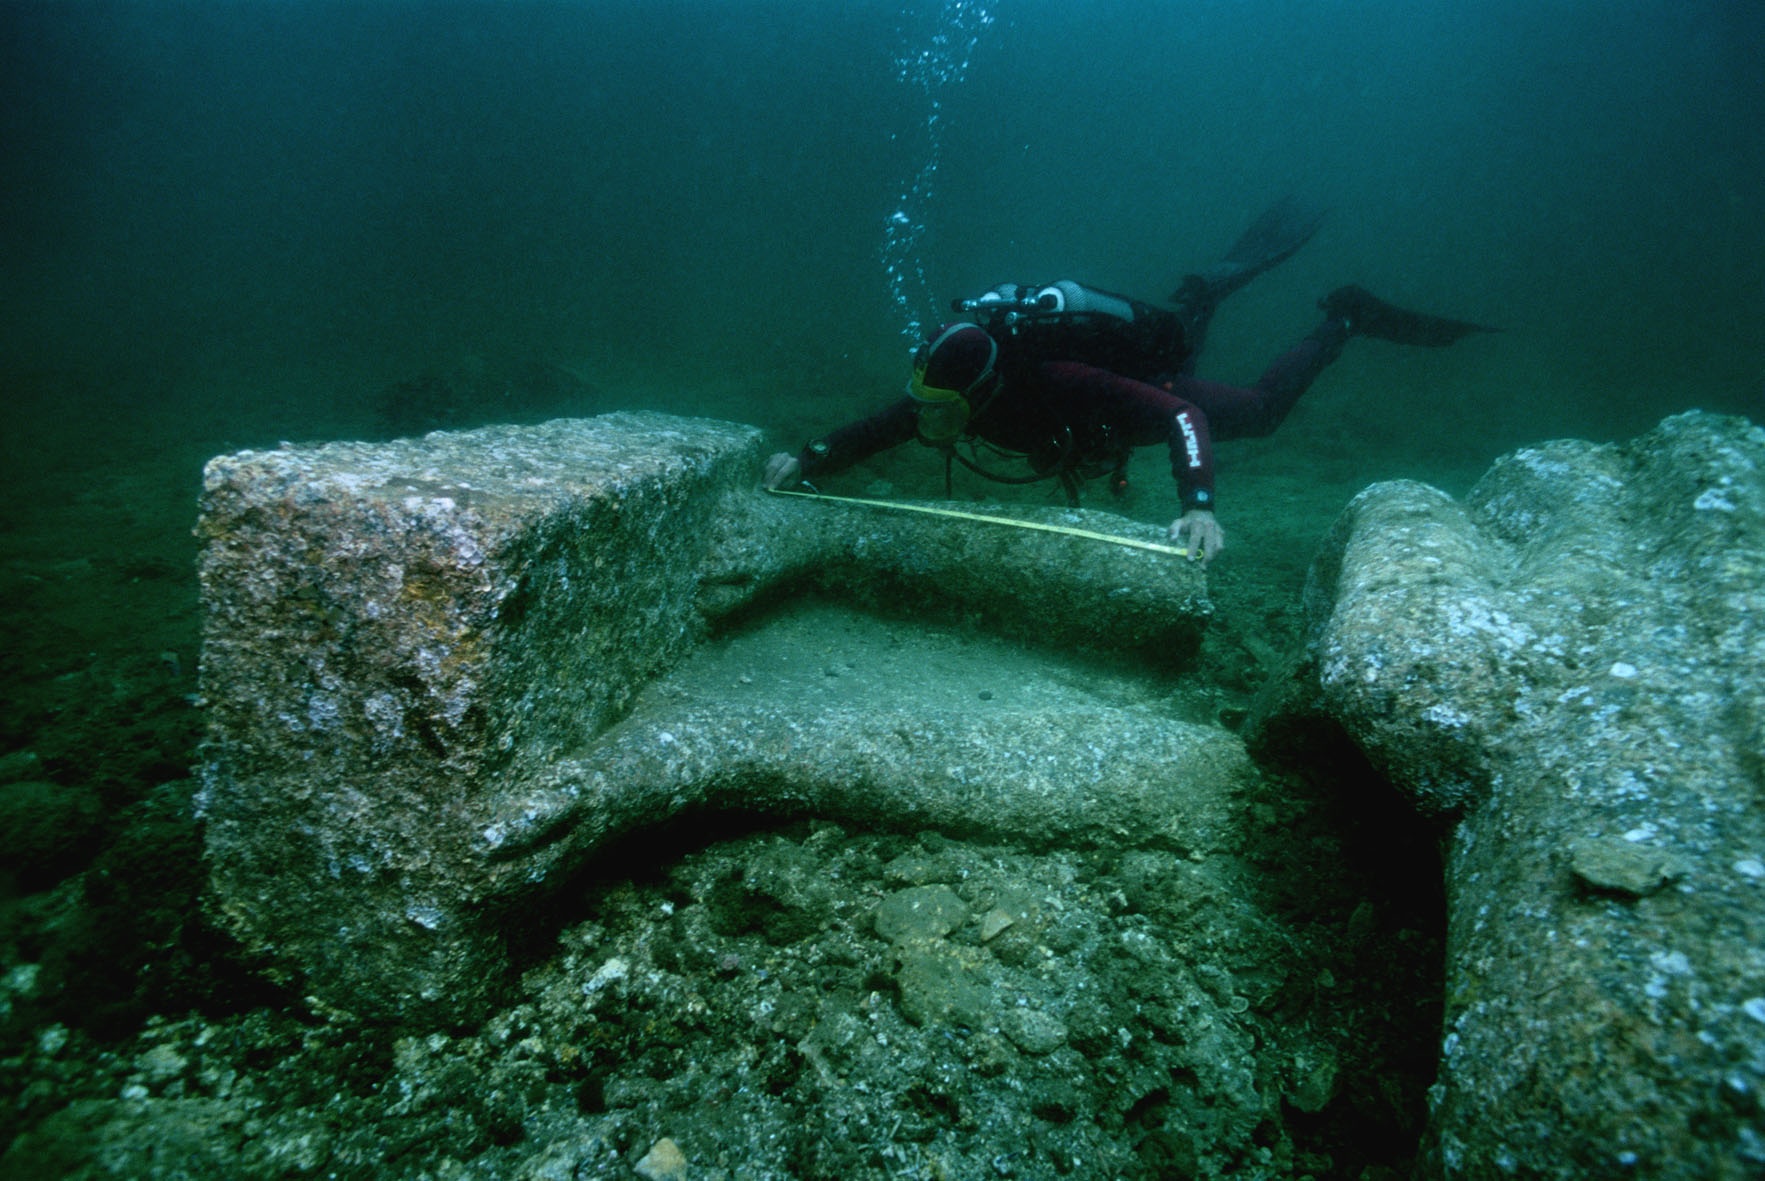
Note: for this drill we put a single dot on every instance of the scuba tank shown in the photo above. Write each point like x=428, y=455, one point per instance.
x=1068, y=321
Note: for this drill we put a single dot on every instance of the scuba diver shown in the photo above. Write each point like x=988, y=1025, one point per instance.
x=1071, y=379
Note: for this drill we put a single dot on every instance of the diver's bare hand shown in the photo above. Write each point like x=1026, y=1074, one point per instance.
x=1197, y=532
x=782, y=469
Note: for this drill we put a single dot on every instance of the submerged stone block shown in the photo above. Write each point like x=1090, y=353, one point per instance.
x=436, y=680
x=389, y=630
x=1569, y=670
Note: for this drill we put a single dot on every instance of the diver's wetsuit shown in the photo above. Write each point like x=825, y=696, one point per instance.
x=1107, y=415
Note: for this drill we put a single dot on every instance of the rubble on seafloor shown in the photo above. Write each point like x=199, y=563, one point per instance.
x=916, y=874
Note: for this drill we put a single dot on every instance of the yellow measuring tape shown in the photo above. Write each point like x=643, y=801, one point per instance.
x=930, y=511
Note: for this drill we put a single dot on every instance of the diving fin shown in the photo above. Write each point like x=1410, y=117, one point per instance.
x=1368, y=315
x=1271, y=239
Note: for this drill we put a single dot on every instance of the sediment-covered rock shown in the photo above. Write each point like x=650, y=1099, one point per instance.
x=810, y=1001
x=1567, y=669
x=437, y=675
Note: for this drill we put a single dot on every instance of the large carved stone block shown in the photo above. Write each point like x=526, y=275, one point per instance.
x=1569, y=669
x=437, y=674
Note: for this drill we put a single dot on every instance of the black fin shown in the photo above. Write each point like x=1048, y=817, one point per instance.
x=1368, y=315
x=1271, y=239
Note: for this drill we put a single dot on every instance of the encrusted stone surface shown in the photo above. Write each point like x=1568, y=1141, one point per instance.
x=1567, y=664
x=438, y=676
x=1056, y=590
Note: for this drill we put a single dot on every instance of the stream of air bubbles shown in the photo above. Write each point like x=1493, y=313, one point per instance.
x=931, y=65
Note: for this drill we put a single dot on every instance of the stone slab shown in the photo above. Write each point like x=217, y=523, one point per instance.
x=437, y=680
x=1566, y=669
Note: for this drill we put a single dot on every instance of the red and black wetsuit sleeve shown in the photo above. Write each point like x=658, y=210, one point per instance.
x=857, y=441
x=1139, y=415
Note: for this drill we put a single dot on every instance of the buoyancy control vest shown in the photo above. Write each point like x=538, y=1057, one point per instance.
x=1068, y=321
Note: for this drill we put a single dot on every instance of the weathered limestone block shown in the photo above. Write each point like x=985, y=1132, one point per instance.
x=1016, y=582
x=1085, y=774
x=1569, y=668
x=420, y=656
x=389, y=629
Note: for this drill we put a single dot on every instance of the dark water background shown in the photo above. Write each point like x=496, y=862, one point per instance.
x=226, y=223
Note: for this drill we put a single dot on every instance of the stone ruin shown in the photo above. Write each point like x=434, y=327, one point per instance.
x=436, y=678
x=441, y=673
x=1566, y=670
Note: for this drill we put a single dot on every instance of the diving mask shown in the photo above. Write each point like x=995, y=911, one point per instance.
x=942, y=413
x=962, y=353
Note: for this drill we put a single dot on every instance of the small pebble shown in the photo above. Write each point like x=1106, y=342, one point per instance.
x=1619, y=866
x=161, y=1064
x=919, y=912
x=51, y=1039
x=1033, y=1031
x=664, y=1159
x=993, y=922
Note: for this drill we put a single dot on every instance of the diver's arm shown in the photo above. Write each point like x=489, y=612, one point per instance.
x=840, y=449
x=1192, y=465
x=1142, y=415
